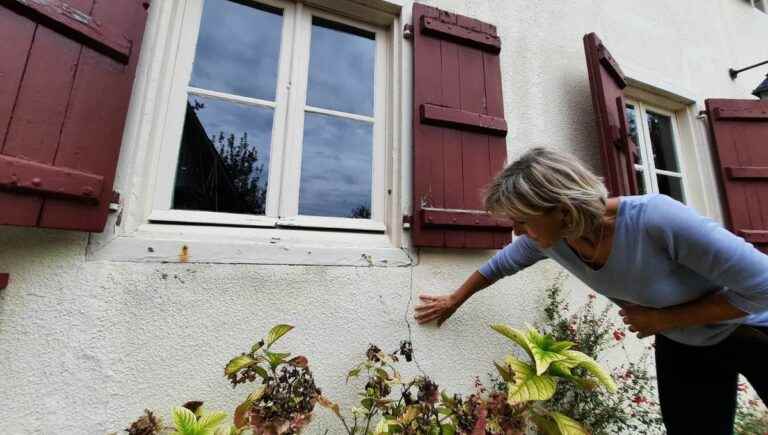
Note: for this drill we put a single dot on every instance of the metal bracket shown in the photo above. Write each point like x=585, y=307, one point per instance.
x=4, y=280
x=408, y=32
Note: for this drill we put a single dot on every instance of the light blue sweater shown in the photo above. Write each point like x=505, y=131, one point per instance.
x=663, y=254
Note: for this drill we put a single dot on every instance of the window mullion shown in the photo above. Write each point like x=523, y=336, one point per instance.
x=294, y=127
x=282, y=98
x=650, y=172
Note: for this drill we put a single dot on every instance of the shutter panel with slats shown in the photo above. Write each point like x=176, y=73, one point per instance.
x=458, y=130
x=617, y=149
x=67, y=69
x=740, y=132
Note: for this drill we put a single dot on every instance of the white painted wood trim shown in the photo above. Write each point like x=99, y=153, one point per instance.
x=368, y=119
x=165, y=244
x=212, y=218
x=191, y=90
x=332, y=223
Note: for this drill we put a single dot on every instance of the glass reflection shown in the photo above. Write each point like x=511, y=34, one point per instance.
x=672, y=186
x=631, y=115
x=341, y=68
x=224, y=157
x=336, y=167
x=662, y=141
x=238, y=49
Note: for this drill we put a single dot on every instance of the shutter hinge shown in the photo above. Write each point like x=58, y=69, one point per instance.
x=408, y=32
x=146, y=4
x=406, y=221
x=4, y=280
x=114, y=203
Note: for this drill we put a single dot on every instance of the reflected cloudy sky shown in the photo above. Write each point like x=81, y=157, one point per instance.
x=238, y=50
x=336, y=167
x=341, y=66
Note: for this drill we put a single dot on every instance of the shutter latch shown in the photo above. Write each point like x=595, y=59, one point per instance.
x=408, y=32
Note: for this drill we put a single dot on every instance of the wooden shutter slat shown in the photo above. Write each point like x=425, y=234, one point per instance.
x=475, y=154
x=741, y=153
x=428, y=169
x=461, y=35
x=96, y=149
x=607, y=85
x=462, y=119
x=73, y=23
x=476, y=219
x=458, y=128
x=743, y=114
x=26, y=176
x=746, y=171
x=453, y=185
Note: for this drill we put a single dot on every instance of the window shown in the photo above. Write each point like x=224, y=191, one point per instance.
x=657, y=165
x=277, y=120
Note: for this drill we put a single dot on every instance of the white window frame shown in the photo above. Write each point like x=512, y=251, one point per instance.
x=141, y=232
x=287, y=127
x=648, y=166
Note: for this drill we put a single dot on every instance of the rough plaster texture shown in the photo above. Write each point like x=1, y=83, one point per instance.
x=87, y=345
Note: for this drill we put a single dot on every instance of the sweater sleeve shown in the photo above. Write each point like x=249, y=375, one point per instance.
x=516, y=256
x=707, y=248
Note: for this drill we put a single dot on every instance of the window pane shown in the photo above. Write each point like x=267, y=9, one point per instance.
x=224, y=157
x=631, y=113
x=671, y=186
x=662, y=141
x=336, y=167
x=640, y=182
x=341, y=65
x=238, y=49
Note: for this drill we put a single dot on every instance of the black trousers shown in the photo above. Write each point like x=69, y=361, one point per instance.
x=697, y=384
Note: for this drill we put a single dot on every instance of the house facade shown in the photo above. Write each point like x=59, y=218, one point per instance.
x=178, y=176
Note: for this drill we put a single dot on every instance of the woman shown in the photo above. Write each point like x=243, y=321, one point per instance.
x=702, y=291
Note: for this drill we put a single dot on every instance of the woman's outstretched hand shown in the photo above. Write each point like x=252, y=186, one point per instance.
x=643, y=321
x=435, y=307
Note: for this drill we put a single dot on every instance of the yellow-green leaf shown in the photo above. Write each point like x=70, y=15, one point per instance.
x=541, y=350
x=514, y=335
x=527, y=385
x=184, y=420
x=583, y=360
x=238, y=363
x=567, y=425
x=212, y=420
x=506, y=373
x=276, y=332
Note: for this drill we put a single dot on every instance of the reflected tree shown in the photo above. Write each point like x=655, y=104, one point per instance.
x=360, y=212
x=244, y=169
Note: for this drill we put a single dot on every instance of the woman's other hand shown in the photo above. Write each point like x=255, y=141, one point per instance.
x=433, y=307
x=644, y=321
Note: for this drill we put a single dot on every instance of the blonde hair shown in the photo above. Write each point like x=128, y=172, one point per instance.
x=544, y=179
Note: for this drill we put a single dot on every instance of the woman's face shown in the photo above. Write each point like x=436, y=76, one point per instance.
x=545, y=229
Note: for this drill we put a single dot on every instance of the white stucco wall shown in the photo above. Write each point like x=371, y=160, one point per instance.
x=86, y=344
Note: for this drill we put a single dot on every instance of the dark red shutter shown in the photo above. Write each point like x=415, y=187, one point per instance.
x=458, y=130
x=607, y=83
x=67, y=70
x=740, y=132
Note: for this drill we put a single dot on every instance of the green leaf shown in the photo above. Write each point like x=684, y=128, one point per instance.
x=567, y=425
x=527, y=385
x=256, y=395
x=546, y=425
x=261, y=371
x=276, y=332
x=561, y=346
x=355, y=372
x=559, y=368
x=447, y=429
x=514, y=335
x=238, y=363
x=382, y=374
x=185, y=421
x=257, y=346
x=276, y=358
x=211, y=421
x=541, y=349
x=583, y=360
